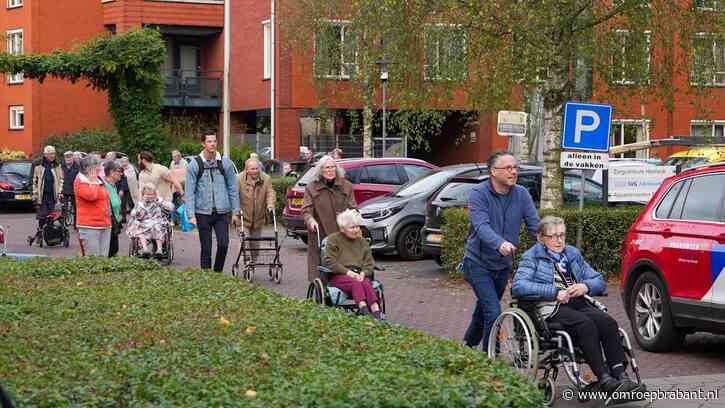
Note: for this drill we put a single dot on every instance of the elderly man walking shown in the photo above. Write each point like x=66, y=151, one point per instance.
x=47, y=186
x=256, y=198
x=498, y=206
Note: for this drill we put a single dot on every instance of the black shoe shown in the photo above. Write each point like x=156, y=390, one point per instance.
x=608, y=384
x=363, y=311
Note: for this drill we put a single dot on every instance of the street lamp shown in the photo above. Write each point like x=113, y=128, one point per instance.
x=384, y=65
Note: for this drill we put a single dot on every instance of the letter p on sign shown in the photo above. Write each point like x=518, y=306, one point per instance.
x=586, y=127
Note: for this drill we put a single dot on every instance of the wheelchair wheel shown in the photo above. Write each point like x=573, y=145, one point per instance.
x=277, y=274
x=381, y=299
x=316, y=291
x=169, y=253
x=514, y=339
x=548, y=386
x=248, y=273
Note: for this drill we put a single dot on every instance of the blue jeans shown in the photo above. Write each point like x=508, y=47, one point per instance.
x=488, y=285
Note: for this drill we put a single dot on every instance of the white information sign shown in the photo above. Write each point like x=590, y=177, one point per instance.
x=636, y=183
x=584, y=160
x=511, y=123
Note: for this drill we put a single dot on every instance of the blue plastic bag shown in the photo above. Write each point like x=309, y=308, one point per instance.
x=186, y=226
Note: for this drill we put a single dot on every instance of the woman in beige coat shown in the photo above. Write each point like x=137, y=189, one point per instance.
x=325, y=197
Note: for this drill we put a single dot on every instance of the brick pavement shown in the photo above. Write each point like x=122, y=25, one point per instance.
x=421, y=297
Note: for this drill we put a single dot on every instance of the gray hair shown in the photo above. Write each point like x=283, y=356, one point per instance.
x=146, y=187
x=317, y=170
x=349, y=218
x=87, y=163
x=253, y=160
x=110, y=166
x=548, y=222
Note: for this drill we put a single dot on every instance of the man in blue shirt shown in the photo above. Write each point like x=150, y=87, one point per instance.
x=497, y=208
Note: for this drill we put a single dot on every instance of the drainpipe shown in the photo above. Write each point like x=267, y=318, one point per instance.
x=273, y=80
x=227, y=51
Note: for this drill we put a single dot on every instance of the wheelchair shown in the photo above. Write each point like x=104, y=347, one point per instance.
x=320, y=291
x=167, y=252
x=530, y=344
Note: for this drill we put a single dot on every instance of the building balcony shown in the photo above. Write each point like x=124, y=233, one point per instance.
x=193, y=89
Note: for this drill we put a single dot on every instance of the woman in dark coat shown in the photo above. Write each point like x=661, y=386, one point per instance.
x=325, y=197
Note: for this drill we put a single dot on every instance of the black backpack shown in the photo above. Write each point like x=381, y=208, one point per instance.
x=200, y=164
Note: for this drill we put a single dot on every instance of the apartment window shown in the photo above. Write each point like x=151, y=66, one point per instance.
x=335, y=53
x=630, y=131
x=704, y=128
x=445, y=53
x=710, y=5
x=267, y=26
x=630, y=57
x=708, y=61
x=15, y=3
x=17, y=117
x=15, y=47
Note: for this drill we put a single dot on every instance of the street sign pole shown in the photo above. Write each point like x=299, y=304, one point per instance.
x=580, y=227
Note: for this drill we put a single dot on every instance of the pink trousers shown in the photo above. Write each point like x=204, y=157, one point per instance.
x=361, y=291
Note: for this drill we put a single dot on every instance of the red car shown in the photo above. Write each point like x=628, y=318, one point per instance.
x=370, y=178
x=673, y=260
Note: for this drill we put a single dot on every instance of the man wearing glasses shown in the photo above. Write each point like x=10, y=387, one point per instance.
x=497, y=206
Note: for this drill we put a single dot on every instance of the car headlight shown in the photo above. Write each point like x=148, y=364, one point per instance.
x=384, y=213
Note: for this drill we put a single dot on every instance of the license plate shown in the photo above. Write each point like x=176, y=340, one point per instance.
x=297, y=202
x=434, y=238
x=22, y=196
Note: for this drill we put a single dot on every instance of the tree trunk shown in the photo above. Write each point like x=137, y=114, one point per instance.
x=552, y=180
x=368, y=117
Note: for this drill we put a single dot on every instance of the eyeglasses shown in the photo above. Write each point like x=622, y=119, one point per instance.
x=561, y=236
x=509, y=169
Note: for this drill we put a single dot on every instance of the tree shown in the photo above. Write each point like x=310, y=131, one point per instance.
x=127, y=66
x=485, y=55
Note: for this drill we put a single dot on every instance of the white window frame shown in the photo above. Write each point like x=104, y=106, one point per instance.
x=708, y=123
x=436, y=64
x=267, y=33
x=644, y=123
x=623, y=53
x=717, y=41
x=710, y=5
x=12, y=36
x=15, y=3
x=345, y=67
x=17, y=117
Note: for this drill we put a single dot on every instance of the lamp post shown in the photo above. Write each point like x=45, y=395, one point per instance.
x=384, y=64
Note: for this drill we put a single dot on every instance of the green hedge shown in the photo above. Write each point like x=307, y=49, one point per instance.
x=602, y=236
x=86, y=140
x=280, y=185
x=126, y=332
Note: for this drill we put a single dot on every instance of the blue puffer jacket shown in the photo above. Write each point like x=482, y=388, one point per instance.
x=535, y=276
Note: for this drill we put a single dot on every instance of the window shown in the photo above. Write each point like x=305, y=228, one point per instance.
x=456, y=192
x=665, y=207
x=532, y=183
x=414, y=173
x=15, y=47
x=630, y=57
x=17, y=117
x=704, y=191
x=702, y=128
x=708, y=60
x=710, y=5
x=267, y=26
x=335, y=53
x=630, y=131
x=15, y=3
x=354, y=174
x=445, y=53
x=572, y=185
x=380, y=174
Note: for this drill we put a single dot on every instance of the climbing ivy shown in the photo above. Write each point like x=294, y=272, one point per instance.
x=126, y=66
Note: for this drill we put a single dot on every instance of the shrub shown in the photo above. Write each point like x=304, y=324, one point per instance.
x=123, y=332
x=240, y=154
x=604, y=229
x=7, y=154
x=280, y=185
x=86, y=140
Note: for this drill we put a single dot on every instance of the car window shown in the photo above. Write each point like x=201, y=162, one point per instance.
x=532, y=183
x=428, y=183
x=415, y=172
x=353, y=175
x=456, y=192
x=704, y=191
x=663, y=210
x=572, y=185
x=676, y=212
x=18, y=168
x=381, y=174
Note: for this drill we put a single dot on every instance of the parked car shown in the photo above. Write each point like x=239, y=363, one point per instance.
x=455, y=195
x=370, y=178
x=16, y=182
x=673, y=260
x=696, y=156
x=393, y=222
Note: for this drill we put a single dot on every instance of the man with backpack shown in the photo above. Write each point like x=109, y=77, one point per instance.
x=212, y=196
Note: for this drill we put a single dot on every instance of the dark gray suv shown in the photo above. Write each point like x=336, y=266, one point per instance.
x=393, y=222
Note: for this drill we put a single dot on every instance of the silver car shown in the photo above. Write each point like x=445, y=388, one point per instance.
x=393, y=222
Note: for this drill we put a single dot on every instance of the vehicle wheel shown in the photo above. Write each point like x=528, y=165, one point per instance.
x=303, y=238
x=513, y=339
x=381, y=300
x=409, y=245
x=651, y=321
x=277, y=274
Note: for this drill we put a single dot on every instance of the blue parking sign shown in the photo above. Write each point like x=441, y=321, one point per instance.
x=586, y=126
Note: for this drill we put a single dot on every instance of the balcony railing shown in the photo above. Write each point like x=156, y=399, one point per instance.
x=187, y=88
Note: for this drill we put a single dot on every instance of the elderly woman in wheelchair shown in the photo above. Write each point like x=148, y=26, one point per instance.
x=348, y=266
x=553, y=308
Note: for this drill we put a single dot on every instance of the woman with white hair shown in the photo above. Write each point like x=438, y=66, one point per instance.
x=350, y=260
x=147, y=220
x=326, y=196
